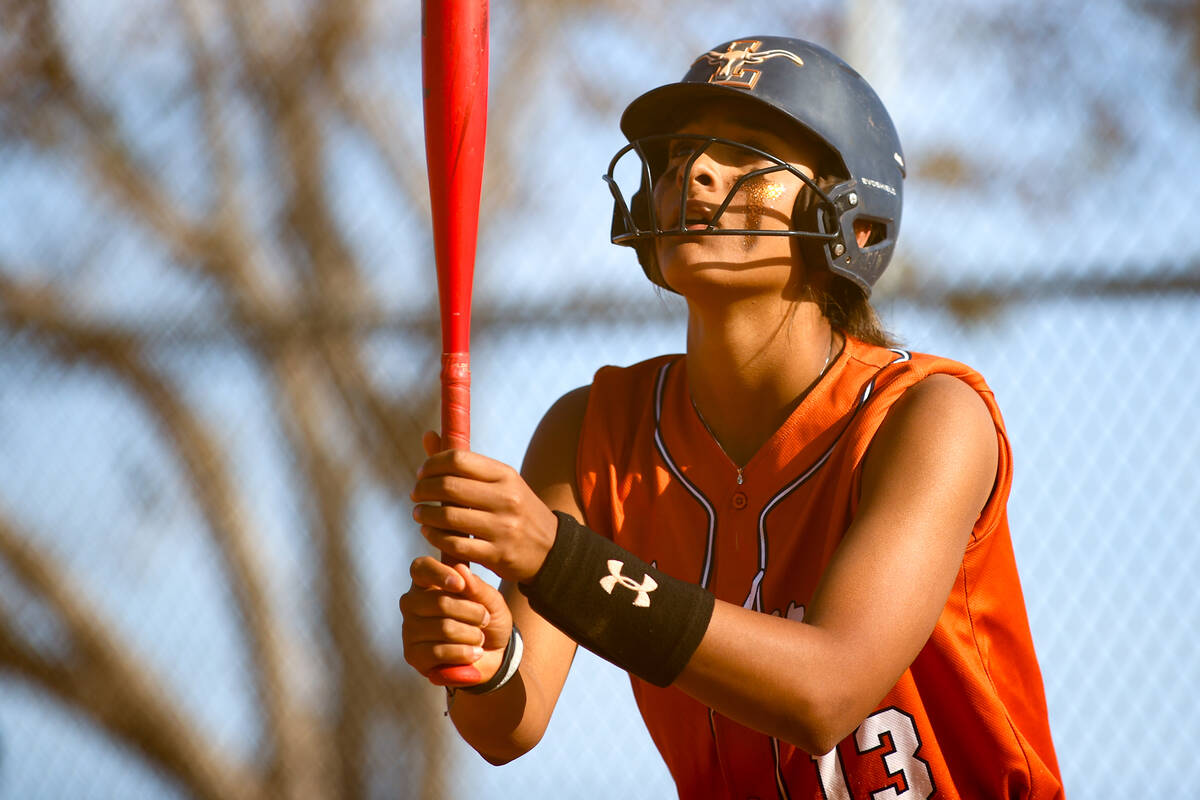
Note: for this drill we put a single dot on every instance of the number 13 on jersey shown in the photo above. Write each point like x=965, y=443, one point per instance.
x=911, y=779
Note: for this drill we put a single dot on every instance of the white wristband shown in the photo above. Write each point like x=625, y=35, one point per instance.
x=508, y=666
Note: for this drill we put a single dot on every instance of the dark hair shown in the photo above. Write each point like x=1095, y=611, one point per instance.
x=849, y=310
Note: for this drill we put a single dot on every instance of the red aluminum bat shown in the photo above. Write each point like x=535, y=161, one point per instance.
x=454, y=61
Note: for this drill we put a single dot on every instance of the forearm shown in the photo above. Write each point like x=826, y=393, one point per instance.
x=507, y=723
x=784, y=678
x=809, y=683
x=779, y=676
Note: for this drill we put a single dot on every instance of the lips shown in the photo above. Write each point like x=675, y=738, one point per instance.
x=697, y=216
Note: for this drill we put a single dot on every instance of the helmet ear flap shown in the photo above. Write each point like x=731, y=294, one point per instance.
x=837, y=216
x=811, y=214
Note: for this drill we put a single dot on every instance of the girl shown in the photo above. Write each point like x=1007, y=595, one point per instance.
x=794, y=535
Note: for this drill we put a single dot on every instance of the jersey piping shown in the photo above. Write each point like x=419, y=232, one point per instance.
x=651, y=477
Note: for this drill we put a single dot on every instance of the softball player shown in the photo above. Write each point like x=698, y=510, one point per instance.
x=793, y=536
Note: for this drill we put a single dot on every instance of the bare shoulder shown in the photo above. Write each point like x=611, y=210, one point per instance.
x=567, y=410
x=939, y=437
x=549, y=466
x=561, y=424
x=943, y=399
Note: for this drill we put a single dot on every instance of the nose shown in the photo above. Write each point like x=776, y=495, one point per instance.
x=702, y=173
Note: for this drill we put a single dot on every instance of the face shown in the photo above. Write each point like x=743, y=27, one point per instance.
x=764, y=202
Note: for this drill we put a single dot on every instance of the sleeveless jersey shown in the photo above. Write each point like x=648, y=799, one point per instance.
x=967, y=719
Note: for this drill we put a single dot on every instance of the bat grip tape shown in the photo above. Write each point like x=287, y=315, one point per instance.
x=456, y=400
x=617, y=605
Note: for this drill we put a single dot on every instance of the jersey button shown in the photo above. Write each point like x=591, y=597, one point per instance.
x=739, y=500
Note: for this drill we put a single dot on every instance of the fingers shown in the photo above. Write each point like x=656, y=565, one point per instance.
x=440, y=627
x=445, y=630
x=475, y=588
x=459, y=490
x=478, y=520
x=426, y=654
x=464, y=463
x=423, y=604
x=457, y=546
x=429, y=643
x=500, y=521
x=429, y=573
x=462, y=478
x=441, y=461
x=469, y=626
x=512, y=545
x=433, y=594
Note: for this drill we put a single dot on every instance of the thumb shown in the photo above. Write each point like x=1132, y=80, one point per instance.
x=431, y=442
x=498, y=628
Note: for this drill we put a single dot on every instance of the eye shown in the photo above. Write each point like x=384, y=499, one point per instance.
x=680, y=149
x=747, y=155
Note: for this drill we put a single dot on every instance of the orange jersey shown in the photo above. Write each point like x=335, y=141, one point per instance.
x=967, y=719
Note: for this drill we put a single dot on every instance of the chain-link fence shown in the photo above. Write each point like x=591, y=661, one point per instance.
x=218, y=351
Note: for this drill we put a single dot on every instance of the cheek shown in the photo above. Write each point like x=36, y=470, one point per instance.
x=665, y=196
x=766, y=197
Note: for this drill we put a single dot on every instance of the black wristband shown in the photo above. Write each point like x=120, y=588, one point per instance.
x=618, y=606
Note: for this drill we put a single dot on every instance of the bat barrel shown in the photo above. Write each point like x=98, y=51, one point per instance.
x=455, y=78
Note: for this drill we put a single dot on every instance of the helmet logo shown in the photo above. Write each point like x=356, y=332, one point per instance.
x=732, y=66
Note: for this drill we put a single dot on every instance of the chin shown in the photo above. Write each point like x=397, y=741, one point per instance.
x=695, y=280
x=682, y=273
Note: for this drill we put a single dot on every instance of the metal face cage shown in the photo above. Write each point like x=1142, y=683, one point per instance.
x=636, y=222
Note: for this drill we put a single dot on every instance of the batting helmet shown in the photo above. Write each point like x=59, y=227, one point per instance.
x=814, y=95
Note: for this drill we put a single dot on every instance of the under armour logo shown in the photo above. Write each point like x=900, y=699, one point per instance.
x=732, y=67
x=643, y=589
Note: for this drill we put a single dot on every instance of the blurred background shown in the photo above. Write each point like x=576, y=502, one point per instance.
x=219, y=347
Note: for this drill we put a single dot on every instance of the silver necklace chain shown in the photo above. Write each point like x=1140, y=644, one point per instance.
x=800, y=399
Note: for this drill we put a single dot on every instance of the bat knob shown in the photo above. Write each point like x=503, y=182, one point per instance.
x=453, y=675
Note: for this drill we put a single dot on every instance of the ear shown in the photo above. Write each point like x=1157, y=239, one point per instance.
x=862, y=232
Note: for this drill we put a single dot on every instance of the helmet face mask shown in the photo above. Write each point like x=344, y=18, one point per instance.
x=638, y=219
x=801, y=93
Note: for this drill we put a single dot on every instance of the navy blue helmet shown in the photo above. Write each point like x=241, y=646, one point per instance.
x=809, y=94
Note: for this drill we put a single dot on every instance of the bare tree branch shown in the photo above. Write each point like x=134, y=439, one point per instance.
x=489, y=319
x=394, y=135
x=107, y=157
x=102, y=678
x=284, y=92
x=39, y=313
x=357, y=671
